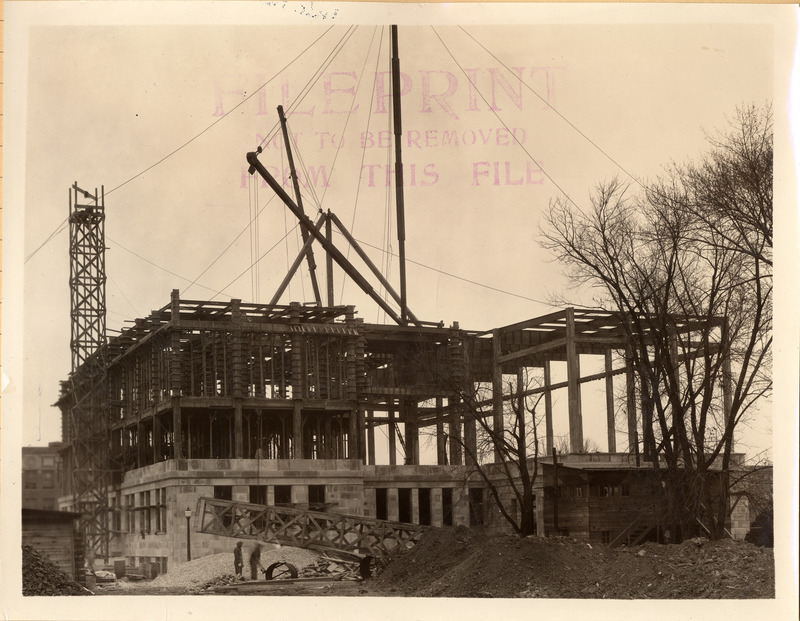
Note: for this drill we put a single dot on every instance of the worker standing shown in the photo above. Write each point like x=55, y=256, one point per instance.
x=255, y=561
x=238, y=563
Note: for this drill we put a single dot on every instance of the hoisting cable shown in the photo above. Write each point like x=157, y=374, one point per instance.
x=513, y=135
x=225, y=115
x=563, y=118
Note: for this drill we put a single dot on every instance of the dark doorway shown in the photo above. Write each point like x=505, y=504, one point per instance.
x=283, y=495
x=381, y=504
x=425, y=506
x=447, y=506
x=475, y=506
x=404, y=502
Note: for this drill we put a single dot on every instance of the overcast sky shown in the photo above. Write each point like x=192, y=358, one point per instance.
x=98, y=94
x=484, y=155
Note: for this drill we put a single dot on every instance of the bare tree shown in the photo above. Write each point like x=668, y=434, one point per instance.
x=688, y=265
x=505, y=459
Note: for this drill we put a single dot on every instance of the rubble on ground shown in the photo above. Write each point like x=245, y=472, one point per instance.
x=40, y=576
x=467, y=563
x=203, y=571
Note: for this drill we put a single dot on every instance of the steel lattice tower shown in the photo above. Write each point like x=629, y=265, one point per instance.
x=88, y=441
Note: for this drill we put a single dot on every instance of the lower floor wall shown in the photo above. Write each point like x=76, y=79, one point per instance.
x=151, y=531
x=150, y=528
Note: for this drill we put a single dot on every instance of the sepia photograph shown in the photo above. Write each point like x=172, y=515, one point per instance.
x=474, y=306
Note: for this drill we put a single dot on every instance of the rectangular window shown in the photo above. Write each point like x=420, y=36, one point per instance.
x=447, y=506
x=425, y=506
x=381, y=504
x=404, y=504
x=147, y=512
x=316, y=497
x=223, y=492
x=48, y=479
x=283, y=495
x=29, y=479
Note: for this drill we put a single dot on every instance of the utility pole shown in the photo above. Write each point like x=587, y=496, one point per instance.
x=398, y=174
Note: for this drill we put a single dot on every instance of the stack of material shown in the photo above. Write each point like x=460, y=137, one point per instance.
x=211, y=585
x=336, y=569
x=41, y=577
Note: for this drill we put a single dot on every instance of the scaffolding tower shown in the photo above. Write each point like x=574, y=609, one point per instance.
x=87, y=452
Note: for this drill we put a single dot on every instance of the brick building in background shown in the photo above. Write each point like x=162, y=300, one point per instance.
x=42, y=476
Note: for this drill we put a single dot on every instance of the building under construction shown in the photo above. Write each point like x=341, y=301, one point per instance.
x=279, y=405
x=309, y=407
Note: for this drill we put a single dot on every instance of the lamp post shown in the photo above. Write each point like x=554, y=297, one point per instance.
x=188, y=514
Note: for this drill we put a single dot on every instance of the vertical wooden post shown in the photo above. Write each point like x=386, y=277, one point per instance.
x=455, y=431
x=612, y=433
x=548, y=406
x=497, y=394
x=175, y=374
x=574, y=386
x=329, y=260
x=371, y=438
x=633, y=434
x=238, y=379
x=441, y=445
x=392, y=446
x=412, y=431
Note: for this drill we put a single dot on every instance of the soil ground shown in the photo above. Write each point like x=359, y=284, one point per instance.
x=460, y=562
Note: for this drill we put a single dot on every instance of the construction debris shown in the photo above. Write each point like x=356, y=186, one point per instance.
x=216, y=569
x=40, y=576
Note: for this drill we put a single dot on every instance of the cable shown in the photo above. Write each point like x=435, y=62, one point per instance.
x=549, y=105
x=275, y=245
x=473, y=282
x=224, y=116
x=55, y=232
x=533, y=159
x=157, y=265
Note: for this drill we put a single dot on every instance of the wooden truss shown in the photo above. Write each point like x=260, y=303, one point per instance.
x=350, y=534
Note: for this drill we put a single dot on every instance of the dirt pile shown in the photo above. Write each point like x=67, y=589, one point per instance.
x=466, y=563
x=40, y=576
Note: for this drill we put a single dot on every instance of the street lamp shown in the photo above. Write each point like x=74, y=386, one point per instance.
x=188, y=514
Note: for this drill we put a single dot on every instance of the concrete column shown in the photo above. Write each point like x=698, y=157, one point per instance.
x=156, y=439
x=393, y=504
x=574, y=386
x=415, y=505
x=297, y=429
x=353, y=435
x=470, y=435
x=612, y=433
x=271, y=495
x=548, y=407
x=300, y=494
x=371, y=439
x=436, y=507
x=238, y=434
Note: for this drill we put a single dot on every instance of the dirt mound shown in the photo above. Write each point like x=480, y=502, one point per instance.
x=459, y=562
x=40, y=576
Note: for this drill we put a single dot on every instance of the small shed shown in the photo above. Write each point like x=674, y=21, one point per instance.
x=54, y=534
